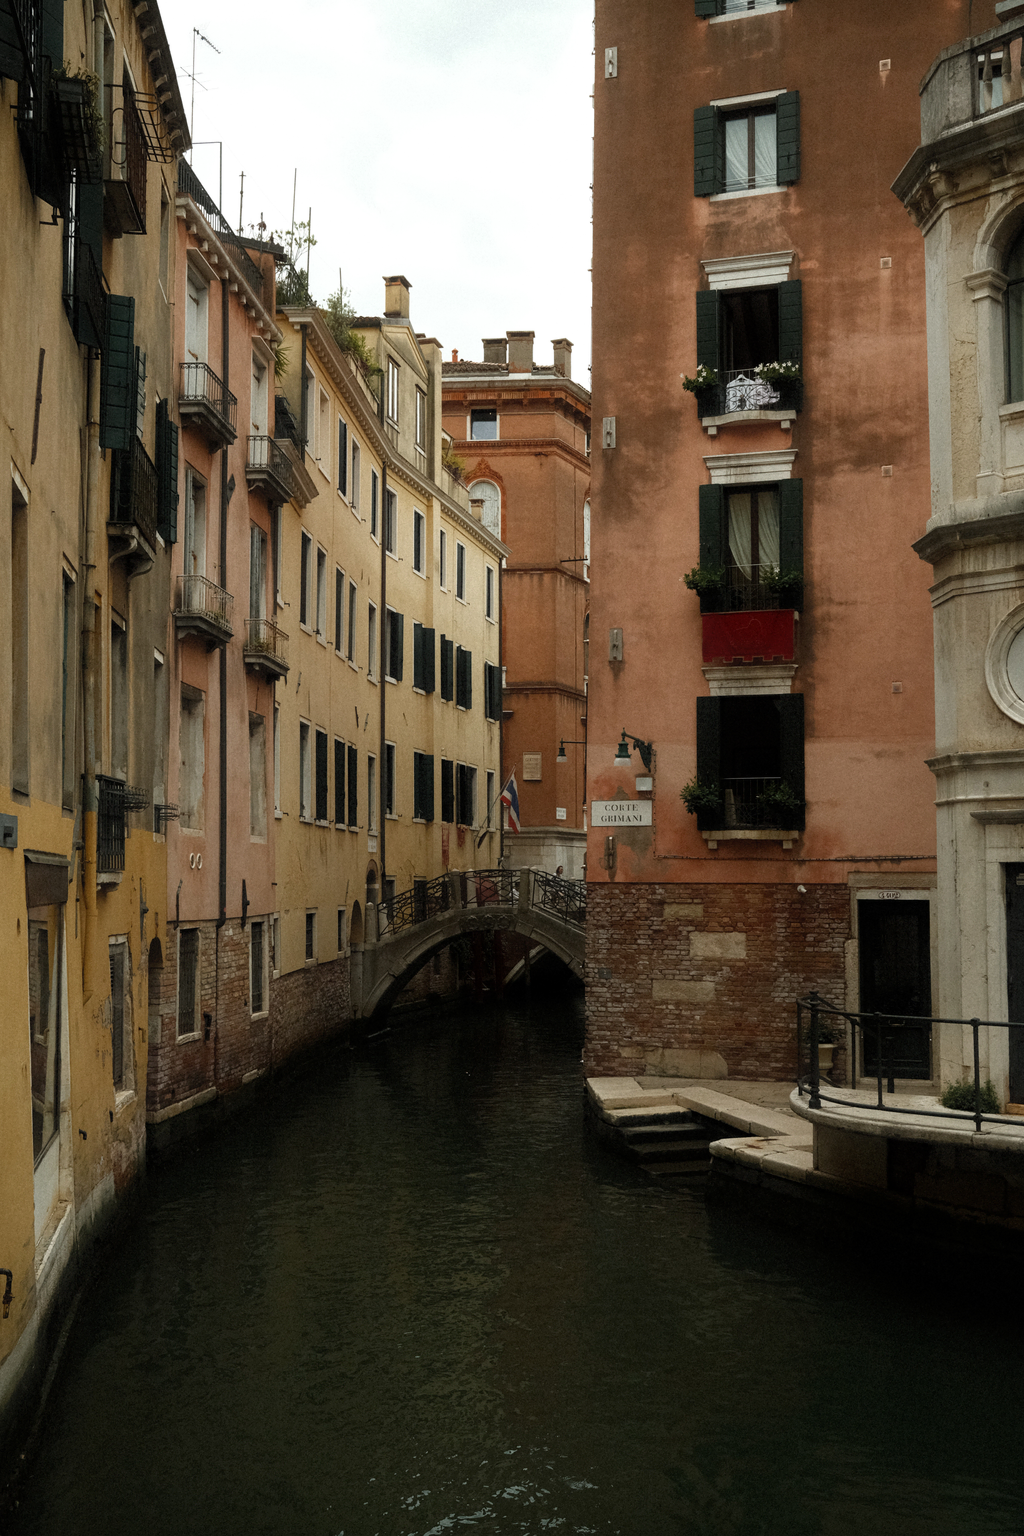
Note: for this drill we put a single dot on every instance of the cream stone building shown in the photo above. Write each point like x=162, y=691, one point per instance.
x=964, y=187
x=387, y=735
x=91, y=128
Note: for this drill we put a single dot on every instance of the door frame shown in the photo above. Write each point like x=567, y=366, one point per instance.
x=873, y=887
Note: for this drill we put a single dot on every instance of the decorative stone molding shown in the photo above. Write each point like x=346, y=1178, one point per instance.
x=750, y=468
x=759, y=271
x=743, y=681
x=986, y=284
x=1004, y=665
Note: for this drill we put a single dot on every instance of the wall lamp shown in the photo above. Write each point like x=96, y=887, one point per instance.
x=622, y=752
x=562, y=754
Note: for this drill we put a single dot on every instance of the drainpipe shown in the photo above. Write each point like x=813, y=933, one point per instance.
x=222, y=873
x=90, y=669
x=381, y=807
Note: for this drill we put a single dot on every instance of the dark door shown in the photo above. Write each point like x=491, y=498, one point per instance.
x=1015, y=976
x=895, y=977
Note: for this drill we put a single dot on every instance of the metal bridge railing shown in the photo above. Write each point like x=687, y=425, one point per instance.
x=472, y=888
x=566, y=899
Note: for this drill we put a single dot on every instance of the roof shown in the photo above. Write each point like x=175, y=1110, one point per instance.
x=455, y=369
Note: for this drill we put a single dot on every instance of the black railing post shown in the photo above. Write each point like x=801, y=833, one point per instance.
x=975, y=1023
x=799, y=1047
x=891, y=1079
x=815, y=1100
x=878, y=1057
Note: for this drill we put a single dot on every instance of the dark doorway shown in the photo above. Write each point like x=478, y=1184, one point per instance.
x=895, y=977
x=1015, y=976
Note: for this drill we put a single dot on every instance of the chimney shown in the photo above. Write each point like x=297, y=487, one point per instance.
x=563, y=356
x=520, y=351
x=495, y=350
x=476, y=506
x=396, y=298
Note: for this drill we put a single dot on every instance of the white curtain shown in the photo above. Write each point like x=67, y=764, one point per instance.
x=768, y=527
x=741, y=543
x=765, y=162
x=736, y=160
x=739, y=532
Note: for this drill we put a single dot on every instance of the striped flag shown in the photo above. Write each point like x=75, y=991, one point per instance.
x=510, y=798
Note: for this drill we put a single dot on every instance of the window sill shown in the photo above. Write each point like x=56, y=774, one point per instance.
x=463, y=600
x=490, y=619
x=353, y=664
x=264, y=1013
x=726, y=197
x=111, y=881
x=751, y=835
x=196, y=1034
x=762, y=10
x=1014, y=411
x=308, y=963
x=421, y=574
x=322, y=640
x=711, y=424
x=391, y=554
x=123, y=1097
x=392, y=680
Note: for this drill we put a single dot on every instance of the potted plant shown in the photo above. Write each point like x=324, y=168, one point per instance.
x=778, y=805
x=704, y=378
x=776, y=373
x=703, y=799
x=709, y=583
x=78, y=96
x=786, y=585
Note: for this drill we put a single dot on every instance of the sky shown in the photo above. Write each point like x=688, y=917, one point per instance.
x=449, y=140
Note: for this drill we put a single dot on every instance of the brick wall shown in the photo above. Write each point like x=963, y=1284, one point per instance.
x=687, y=979
x=309, y=1007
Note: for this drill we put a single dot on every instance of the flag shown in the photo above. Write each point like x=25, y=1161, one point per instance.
x=510, y=798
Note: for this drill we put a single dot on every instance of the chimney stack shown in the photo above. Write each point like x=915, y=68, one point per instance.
x=495, y=350
x=396, y=298
x=563, y=356
x=520, y=351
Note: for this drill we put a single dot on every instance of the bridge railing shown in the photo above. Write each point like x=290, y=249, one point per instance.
x=566, y=899
x=462, y=889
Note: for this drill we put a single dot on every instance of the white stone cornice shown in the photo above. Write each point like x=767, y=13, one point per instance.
x=758, y=271
x=986, y=284
x=745, y=468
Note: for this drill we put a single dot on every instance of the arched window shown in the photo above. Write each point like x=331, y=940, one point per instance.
x=487, y=492
x=1015, y=320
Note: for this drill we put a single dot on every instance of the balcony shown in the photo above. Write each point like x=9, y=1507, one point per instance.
x=764, y=809
x=748, y=636
x=202, y=608
x=204, y=401
x=110, y=829
x=269, y=469
x=133, y=506
x=264, y=649
x=124, y=206
x=286, y=428
x=740, y=395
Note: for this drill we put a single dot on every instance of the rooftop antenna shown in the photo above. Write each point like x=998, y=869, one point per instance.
x=203, y=39
x=295, y=188
x=241, y=195
x=309, y=246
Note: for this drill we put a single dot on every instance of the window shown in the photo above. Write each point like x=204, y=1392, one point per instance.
x=190, y=741
x=353, y=787
x=339, y=609
x=257, y=572
x=374, y=504
x=442, y=561
x=341, y=930
x=483, y=425
x=165, y=238
x=323, y=435
x=44, y=1021
x=447, y=669
x=492, y=691
x=422, y=786
x=277, y=760
x=321, y=776
x=140, y=393
x=354, y=486
x=447, y=790
x=389, y=778
x=305, y=774
x=342, y=457
x=490, y=513
x=752, y=748
x=258, y=397
x=257, y=778
x=309, y=412
x=352, y=621
x=197, y=297
x=747, y=147
x=257, y=967
x=195, y=524
x=394, y=644
x=391, y=522
x=339, y=783
x=1015, y=322
x=463, y=678
x=392, y=391
x=754, y=535
x=188, y=981
x=419, y=541
x=489, y=592
x=118, y=698
x=278, y=527
x=371, y=792
x=371, y=640
x=465, y=795
x=421, y=421
x=734, y=7
x=423, y=674
x=274, y=944
x=310, y=936
x=460, y=571
x=490, y=799
x=305, y=578
x=740, y=329
x=321, y=594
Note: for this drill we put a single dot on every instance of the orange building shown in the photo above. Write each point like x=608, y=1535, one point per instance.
x=523, y=430
x=760, y=621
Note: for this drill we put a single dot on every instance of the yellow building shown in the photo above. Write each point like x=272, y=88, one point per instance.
x=387, y=735
x=90, y=131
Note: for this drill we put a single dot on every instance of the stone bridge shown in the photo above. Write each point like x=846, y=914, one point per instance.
x=541, y=908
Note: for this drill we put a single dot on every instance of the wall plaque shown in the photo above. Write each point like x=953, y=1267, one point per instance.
x=621, y=813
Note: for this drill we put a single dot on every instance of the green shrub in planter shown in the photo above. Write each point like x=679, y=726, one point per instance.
x=704, y=378
x=700, y=795
x=961, y=1096
x=779, y=800
x=703, y=580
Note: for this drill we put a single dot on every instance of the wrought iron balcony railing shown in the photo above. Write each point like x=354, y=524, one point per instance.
x=744, y=591
x=269, y=468
x=126, y=188
x=756, y=803
x=110, y=825
x=739, y=389
x=264, y=649
x=205, y=397
x=199, y=597
x=191, y=186
x=133, y=490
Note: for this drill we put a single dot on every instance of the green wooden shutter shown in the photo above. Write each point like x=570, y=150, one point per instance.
x=791, y=321
x=707, y=152
x=51, y=32
x=117, y=376
x=321, y=775
x=447, y=789
x=12, y=55
x=791, y=744
x=417, y=655
x=709, y=752
x=167, y=474
x=90, y=219
x=429, y=669
x=709, y=327
x=707, y=8
x=787, y=134
x=339, y=781
x=791, y=527
x=353, y=787
x=712, y=527
x=397, y=646
x=447, y=669
x=426, y=787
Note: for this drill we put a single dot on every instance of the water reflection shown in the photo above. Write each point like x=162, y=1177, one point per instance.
x=415, y=1296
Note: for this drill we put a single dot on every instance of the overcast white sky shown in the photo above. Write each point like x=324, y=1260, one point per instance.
x=449, y=140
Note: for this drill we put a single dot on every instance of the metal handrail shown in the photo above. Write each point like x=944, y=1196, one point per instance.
x=199, y=383
x=134, y=490
x=200, y=595
x=264, y=636
x=738, y=389
x=566, y=899
x=265, y=456
x=883, y=1025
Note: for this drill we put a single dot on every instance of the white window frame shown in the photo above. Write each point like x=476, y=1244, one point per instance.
x=305, y=771
x=321, y=594
x=393, y=388
x=339, y=611
x=442, y=560
x=372, y=639
x=419, y=544
x=354, y=472
x=391, y=779
x=460, y=572
x=490, y=593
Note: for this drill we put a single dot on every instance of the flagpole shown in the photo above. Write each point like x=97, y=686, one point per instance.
x=494, y=802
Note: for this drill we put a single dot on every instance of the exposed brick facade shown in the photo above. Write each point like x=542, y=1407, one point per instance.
x=707, y=970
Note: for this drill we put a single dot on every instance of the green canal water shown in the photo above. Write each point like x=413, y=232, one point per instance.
x=412, y=1295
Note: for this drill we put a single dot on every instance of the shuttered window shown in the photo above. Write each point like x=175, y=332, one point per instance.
x=423, y=786
x=447, y=669
x=492, y=691
x=167, y=474
x=447, y=790
x=353, y=787
x=747, y=148
x=714, y=535
x=117, y=374
x=342, y=457
x=463, y=678
x=321, y=776
x=745, y=746
x=423, y=658
x=395, y=644
x=339, y=783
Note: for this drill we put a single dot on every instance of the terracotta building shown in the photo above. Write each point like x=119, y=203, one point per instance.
x=964, y=187
x=759, y=621
x=523, y=431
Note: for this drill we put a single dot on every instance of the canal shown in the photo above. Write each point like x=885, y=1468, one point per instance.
x=412, y=1295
